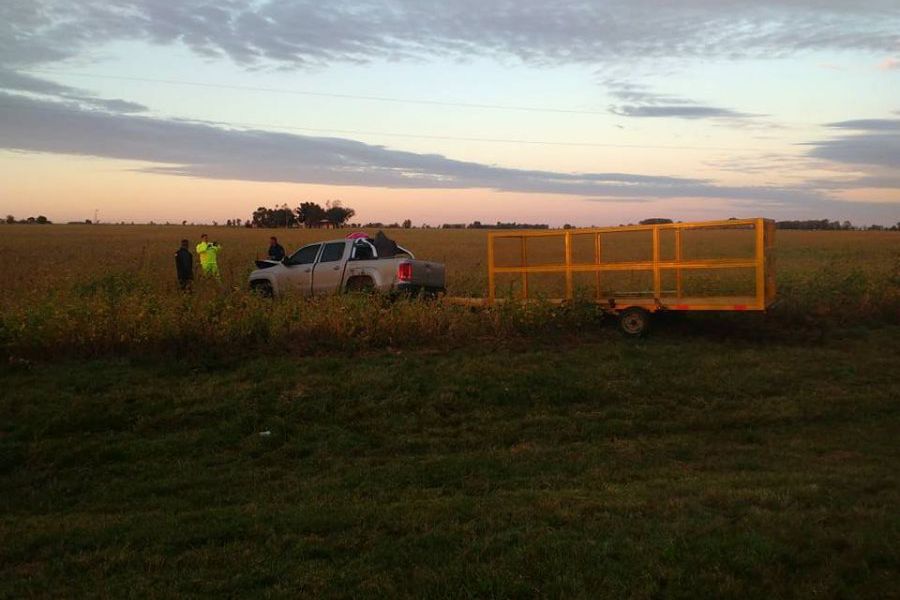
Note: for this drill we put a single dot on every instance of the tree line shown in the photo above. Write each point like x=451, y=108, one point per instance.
x=826, y=225
x=334, y=214
x=499, y=225
x=38, y=220
x=308, y=214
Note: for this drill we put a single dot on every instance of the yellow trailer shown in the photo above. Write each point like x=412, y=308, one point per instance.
x=636, y=270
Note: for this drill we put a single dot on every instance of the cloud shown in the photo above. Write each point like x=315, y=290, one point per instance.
x=783, y=165
x=112, y=105
x=885, y=181
x=868, y=124
x=306, y=32
x=881, y=150
x=20, y=82
x=638, y=93
x=869, y=153
x=681, y=111
x=644, y=102
x=12, y=80
x=203, y=150
x=878, y=145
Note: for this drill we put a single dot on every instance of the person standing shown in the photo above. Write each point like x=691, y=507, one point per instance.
x=384, y=246
x=276, y=250
x=184, y=266
x=201, y=248
x=208, y=253
x=211, y=266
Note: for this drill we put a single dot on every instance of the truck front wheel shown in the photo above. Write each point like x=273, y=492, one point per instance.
x=263, y=288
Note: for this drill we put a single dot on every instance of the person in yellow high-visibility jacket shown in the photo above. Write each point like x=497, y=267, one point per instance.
x=201, y=247
x=208, y=253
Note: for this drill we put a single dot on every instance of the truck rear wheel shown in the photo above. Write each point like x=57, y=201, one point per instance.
x=634, y=321
x=360, y=285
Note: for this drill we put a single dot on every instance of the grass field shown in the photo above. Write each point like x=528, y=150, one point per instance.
x=157, y=445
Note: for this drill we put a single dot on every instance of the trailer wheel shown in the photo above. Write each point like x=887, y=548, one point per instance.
x=634, y=321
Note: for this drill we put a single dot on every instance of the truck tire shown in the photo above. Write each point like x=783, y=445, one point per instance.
x=634, y=321
x=263, y=288
x=360, y=285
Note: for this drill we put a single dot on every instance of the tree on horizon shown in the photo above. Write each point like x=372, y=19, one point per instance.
x=309, y=214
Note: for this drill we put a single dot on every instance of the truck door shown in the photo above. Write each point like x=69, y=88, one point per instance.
x=329, y=271
x=298, y=274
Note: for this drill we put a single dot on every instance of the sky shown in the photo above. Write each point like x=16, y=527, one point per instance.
x=542, y=111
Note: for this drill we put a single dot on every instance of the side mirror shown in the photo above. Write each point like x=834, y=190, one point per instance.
x=286, y=261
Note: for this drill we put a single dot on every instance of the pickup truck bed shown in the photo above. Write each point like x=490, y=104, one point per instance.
x=338, y=266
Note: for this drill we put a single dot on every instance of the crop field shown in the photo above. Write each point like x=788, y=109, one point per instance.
x=41, y=260
x=82, y=290
x=158, y=444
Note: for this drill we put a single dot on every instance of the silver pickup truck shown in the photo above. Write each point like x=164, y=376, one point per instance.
x=347, y=265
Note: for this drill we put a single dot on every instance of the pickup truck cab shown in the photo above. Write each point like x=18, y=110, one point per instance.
x=347, y=265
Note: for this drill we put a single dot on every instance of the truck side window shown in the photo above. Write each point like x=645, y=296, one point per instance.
x=305, y=255
x=333, y=252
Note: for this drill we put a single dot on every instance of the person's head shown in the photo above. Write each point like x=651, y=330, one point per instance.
x=204, y=237
x=273, y=241
x=184, y=243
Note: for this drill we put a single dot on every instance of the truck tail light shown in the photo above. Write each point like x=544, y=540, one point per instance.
x=404, y=271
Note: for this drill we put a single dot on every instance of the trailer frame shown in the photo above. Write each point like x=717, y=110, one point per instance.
x=762, y=262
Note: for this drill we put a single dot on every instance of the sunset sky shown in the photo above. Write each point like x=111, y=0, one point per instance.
x=585, y=112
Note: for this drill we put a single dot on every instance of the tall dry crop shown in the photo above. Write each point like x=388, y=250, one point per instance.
x=82, y=290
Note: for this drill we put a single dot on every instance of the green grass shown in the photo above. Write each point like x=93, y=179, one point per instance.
x=703, y=462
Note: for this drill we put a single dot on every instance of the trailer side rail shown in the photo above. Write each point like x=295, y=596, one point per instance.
x=658, y=296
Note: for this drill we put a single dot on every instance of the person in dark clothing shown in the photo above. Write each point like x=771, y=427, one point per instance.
x=276, y=250
x=385, y=246
x=184, y=265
